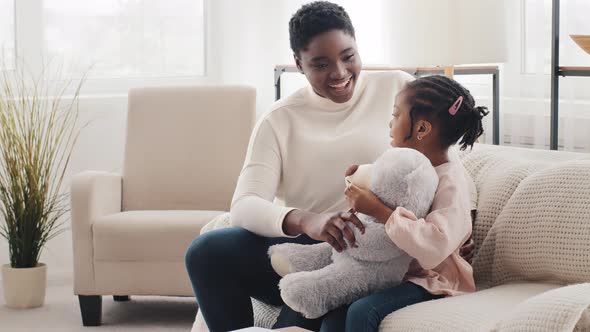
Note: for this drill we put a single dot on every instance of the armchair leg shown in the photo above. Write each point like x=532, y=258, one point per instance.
x=121, y=298
x=91, y=309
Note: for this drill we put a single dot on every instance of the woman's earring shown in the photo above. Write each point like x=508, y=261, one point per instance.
x=419, y=137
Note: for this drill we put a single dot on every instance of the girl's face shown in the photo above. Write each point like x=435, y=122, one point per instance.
x=399, y=126
x=331, y=64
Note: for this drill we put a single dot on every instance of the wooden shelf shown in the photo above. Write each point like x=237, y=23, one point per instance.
x=293, y=68
x=574, y=68
x=494, y=71
x=573, y=71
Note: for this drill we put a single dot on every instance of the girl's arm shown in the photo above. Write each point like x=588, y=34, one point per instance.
x=432, y=239
x=366, y=202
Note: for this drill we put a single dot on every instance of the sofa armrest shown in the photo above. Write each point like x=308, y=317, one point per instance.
x=93, y=194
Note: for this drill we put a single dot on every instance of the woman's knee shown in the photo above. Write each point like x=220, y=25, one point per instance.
x=362, y=316
x=215, y=247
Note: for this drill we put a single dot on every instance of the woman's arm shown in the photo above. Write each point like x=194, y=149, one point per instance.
x=252, y=205
x=327, y=227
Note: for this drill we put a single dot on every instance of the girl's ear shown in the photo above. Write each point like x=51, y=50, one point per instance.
x=422, y=128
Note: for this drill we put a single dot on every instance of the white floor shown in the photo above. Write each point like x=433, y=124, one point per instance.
x=62, y=313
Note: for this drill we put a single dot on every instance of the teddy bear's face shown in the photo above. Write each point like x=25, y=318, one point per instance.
x=400, y=177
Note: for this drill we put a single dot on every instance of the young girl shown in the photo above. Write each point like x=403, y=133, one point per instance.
x=430, y=115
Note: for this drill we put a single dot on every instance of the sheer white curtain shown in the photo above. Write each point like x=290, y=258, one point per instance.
x=527, y=81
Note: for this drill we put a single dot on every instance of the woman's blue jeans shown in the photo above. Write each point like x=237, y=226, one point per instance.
x=228, y=266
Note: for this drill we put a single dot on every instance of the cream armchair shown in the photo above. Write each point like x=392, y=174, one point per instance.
x=183, y=153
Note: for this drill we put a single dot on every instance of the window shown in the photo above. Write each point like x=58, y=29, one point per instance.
x=537, y=34
x=7, y=42
x=116, y=39
x=127, y=38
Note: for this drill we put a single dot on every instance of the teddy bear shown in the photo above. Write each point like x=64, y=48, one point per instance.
x=317, y=278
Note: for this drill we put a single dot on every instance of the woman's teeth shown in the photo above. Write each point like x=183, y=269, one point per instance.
x=341, y=85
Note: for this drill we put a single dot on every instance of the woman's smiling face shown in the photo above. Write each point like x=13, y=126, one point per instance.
x=331, y=64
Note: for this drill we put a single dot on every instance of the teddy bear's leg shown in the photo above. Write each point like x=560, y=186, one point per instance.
x=315, y=293
x=292, y=257
x=374, y=245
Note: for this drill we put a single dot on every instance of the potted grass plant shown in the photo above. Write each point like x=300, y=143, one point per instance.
x=38, y=132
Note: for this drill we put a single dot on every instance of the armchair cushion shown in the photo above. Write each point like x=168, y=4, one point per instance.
x=185, y=146
x=147, y=235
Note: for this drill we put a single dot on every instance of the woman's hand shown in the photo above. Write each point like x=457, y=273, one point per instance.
x=332, y=228
x=365, y=202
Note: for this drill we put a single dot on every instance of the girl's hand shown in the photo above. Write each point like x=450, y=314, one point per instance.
x=332, y=228
x=365, y=202
x=467, y=251
x=351, y=169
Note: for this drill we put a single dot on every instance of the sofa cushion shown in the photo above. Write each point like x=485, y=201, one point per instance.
x=497, y=173
x=542, y=233
x=477, y=311
x=560, y=309
x=147, y=235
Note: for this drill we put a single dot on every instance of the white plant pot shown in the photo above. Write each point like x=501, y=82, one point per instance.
x=24, y=287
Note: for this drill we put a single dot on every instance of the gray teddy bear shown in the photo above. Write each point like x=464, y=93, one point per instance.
x=317, y=279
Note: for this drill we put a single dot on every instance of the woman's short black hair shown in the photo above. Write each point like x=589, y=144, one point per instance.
x=431, y=97
x=315, y=18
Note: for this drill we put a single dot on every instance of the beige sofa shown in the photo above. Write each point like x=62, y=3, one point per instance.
x=183, y=153
x=532, y=232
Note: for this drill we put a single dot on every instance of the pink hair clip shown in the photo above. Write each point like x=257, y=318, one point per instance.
x=455, y=107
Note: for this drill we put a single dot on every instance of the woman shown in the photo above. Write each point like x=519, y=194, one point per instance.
x=297, y=156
